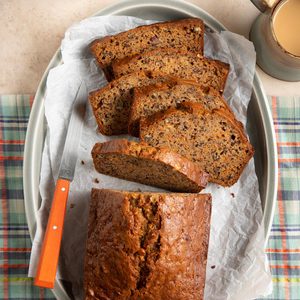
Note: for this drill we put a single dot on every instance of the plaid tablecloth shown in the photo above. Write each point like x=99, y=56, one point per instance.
x=283, y=247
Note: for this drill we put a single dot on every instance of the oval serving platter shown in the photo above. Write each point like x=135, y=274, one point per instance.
x=259, y=121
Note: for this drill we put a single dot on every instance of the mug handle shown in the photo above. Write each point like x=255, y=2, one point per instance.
x=261, y=5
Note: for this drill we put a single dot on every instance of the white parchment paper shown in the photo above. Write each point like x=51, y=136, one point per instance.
x=237, y=267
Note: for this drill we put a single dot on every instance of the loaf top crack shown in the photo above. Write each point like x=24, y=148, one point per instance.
x=147, y=245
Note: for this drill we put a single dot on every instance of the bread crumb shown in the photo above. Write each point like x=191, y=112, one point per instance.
x=96, y=180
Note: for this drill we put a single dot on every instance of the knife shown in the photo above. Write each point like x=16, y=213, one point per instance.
x=47, y=266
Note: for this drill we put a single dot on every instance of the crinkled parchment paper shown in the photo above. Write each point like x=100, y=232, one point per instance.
x=237, y=267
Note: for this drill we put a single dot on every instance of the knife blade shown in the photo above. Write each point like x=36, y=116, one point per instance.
x=69, y=157
x=47, y=266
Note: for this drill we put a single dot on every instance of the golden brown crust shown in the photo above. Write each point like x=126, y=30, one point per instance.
x=176, y=164
x=147, y=245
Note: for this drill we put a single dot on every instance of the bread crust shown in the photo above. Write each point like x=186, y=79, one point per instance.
x=157, y=237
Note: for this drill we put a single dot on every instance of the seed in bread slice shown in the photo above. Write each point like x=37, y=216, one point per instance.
x=178, y=63
x=153, y=166
x=111, y=104
x=151, y=99
x=185, y=34
x=214, y=140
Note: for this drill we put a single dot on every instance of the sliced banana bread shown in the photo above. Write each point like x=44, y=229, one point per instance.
x=179, y=63
x=147, y=245
x=148, y=165
x=185, y=34
x=111, y=104
x=214, y=140
x=148, y=100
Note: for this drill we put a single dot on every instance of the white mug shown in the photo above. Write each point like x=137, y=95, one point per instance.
x=276, y=37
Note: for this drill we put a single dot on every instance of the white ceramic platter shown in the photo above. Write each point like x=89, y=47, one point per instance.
x=259, y=124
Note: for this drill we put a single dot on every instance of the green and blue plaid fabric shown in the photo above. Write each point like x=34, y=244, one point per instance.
x=283, y=248
x=15, y=243
x=284, y=243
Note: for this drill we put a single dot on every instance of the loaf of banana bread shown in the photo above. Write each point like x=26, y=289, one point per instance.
x=147, y=245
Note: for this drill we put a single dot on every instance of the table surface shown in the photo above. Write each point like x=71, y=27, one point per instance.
x=32, y=31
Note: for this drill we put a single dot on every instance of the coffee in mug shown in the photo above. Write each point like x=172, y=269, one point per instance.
x=276, y=37
x=286, y=25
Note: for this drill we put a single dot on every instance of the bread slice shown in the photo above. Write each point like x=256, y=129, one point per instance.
x=179, y=63
x=111, y=104
x=185, y=34
x=148, y=165
x=147, y=245
x=214, y=140
x=148, y=100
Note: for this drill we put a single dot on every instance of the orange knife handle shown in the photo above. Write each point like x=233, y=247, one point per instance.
x=46, y=271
